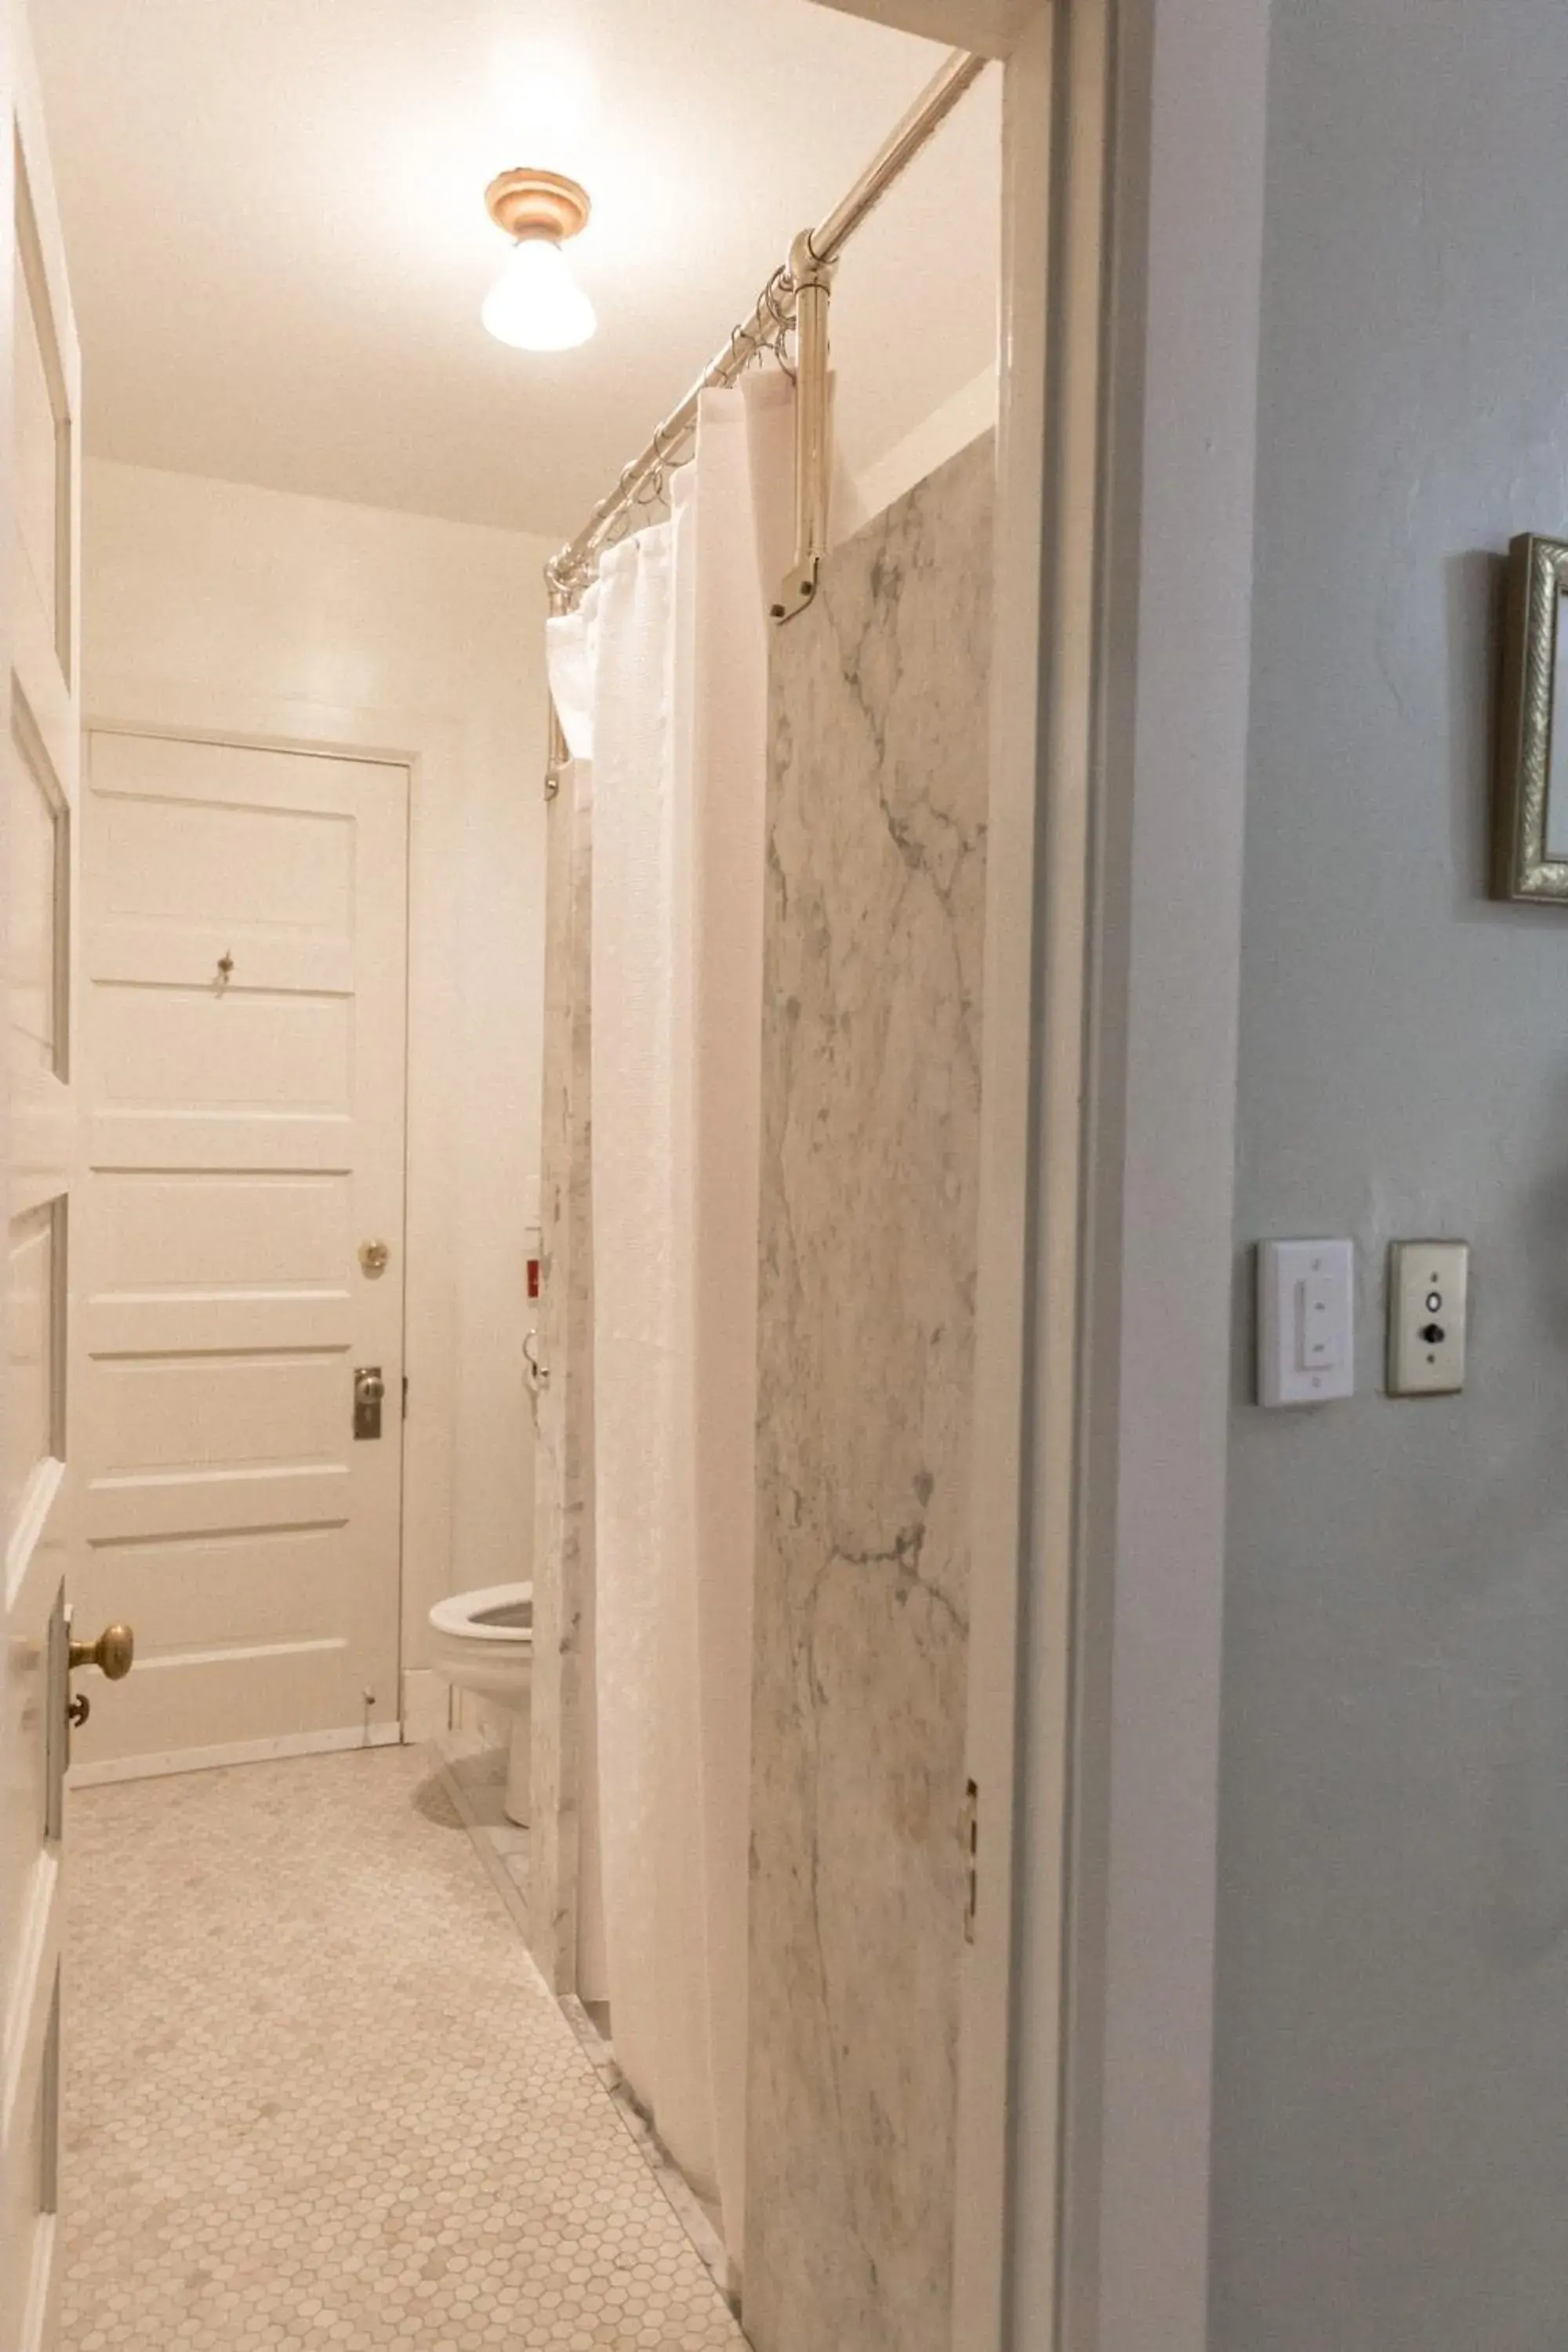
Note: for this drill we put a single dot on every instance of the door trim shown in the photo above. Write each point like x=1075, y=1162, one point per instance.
x=428, y=745
x=1113, y=967
x=982, y=2155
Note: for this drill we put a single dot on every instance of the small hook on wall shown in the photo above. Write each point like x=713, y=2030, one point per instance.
x=224, y=971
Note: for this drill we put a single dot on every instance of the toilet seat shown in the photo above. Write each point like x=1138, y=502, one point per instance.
x=463, y=1617
x=494, y=1659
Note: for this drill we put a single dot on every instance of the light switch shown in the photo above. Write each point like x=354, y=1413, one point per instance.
x=1428, y=1308
x=1306, y=1322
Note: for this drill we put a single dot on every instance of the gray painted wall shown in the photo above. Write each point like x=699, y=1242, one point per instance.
x=1392, y=2088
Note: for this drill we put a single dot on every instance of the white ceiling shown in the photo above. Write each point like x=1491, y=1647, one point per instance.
x=274, y=212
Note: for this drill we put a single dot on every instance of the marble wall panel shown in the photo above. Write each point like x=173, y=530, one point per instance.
x=564, y=1520
x=871, y=1078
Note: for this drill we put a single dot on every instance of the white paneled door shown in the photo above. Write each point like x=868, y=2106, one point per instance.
x=38, y=667
x=240, y=1273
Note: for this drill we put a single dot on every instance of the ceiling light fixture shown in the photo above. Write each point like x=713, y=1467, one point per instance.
x=536, y=304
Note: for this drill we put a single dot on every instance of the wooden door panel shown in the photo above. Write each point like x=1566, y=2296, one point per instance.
x=28, y=1927
x=35, y=1441
x=37, y=853
x=38, y=470
x=142, y=954
x=46, y=378
x=231, y=1323
x=116, y=1512
x=198, y=1417
x=289, y=1696
x=175, y=861
x=215, y=771
x=157, y=1235
x=181, y=1049
x=41, y=744
x=29, y=2288
x=256, y=1588
x=244, y=954
x=296, y=1143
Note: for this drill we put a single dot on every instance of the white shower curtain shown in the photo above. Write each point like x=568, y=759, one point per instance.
x=666, y=673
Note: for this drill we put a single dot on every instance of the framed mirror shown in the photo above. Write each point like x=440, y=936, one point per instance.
x=1530, y=842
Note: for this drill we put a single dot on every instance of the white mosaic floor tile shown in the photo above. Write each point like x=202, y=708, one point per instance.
x=317, y=2098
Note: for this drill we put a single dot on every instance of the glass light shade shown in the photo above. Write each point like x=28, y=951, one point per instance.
x=536, y=304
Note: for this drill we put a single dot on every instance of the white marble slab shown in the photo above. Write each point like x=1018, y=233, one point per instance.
x=872, y=1075
x=564, y=1473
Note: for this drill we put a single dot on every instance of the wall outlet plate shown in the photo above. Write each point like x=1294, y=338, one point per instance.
x=1306, y=1322
x=1428, y=1308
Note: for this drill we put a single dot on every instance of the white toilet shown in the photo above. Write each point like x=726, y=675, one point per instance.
x=484, y=1643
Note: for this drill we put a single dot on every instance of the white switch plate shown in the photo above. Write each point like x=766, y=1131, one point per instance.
x=1428, y=1300
x=1306, y=1322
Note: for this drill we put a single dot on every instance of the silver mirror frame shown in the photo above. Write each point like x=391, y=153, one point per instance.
x=1537, y=582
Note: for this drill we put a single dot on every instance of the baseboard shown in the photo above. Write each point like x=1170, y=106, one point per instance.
x=242, y=1751
x=427, y=1704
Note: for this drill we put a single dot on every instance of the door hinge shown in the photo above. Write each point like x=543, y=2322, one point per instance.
x=405, y=1396
x=971, y=1833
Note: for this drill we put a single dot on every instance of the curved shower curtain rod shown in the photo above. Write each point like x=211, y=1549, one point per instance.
x=795, y=295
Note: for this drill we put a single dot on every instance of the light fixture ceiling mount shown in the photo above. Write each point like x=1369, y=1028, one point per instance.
x=536, y=304
x=536, y=204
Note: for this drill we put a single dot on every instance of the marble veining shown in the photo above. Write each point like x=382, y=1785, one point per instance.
x=871, y=1078
x=563, y=1519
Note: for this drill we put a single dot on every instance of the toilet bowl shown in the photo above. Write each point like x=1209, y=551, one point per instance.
x=483, y=1641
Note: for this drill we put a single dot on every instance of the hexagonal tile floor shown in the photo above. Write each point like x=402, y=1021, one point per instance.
x=316, y=2096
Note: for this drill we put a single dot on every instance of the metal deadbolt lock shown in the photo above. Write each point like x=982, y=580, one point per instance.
x=370, y=1389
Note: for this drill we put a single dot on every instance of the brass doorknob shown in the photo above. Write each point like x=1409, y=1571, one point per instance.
x=372, y=1256
x=111, y=1654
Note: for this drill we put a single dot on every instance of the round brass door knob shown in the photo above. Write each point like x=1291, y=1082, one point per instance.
x=372, y=1256
x=111, y=1654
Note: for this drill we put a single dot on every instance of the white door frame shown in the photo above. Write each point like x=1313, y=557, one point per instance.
x=1174, y=693
x=39, y=708
x=1132, y=252
x=428, y=747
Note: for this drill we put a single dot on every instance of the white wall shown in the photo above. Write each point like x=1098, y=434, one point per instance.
x=961, y=419
x=204, y=586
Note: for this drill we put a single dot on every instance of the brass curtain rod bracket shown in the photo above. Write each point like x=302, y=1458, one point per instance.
x=558, y=757
x=778, y=309
x=810, y=277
